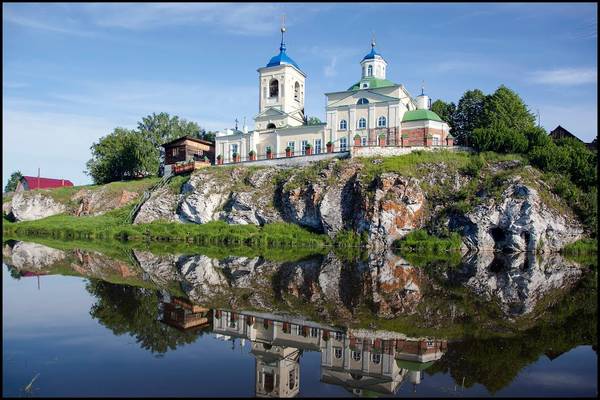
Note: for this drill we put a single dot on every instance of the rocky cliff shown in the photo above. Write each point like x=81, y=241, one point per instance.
x=509, y=207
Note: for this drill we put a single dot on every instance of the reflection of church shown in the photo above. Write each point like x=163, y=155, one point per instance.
x=363, y=362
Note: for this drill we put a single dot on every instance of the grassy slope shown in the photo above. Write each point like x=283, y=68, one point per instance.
x=483, y=178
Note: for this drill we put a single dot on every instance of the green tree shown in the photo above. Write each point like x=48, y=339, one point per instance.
x=445, y=111
x=123, y=154
x=499, y=138
x=505, y=107
x=13, y=181
x=468, y=115
x=161, y=128
x=313, y=121
x=135, y=311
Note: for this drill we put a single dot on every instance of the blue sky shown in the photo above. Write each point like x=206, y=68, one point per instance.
x=73, y=72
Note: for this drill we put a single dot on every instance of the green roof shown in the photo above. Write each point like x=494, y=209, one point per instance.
x=413, y=365
x=418, y=115
x=373, y=83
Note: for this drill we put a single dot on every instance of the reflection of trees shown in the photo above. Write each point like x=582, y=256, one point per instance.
x=495, y=362
x=135, y=310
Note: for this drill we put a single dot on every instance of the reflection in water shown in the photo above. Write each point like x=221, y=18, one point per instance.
x=361, y=361
x=545, y=306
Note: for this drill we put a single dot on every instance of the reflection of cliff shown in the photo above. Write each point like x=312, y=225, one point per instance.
x=516, y=281
x=325, y=286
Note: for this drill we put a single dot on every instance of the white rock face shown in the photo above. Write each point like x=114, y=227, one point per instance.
x=162, y=205
x=204, y=195
x=28, y=255
x=518, y=281
x=519, y=222
x=202, y=276
x=27, y=207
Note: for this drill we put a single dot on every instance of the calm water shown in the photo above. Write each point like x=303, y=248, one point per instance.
x=83, y=323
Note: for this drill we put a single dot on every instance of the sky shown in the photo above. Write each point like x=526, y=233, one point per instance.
x=73, y=72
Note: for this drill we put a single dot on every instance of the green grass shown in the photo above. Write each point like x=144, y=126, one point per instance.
x=584, y=252
x=111, y=226
x=420, y=241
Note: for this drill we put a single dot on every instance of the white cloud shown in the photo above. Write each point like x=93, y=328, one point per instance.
x=565, y=76
x=329, y=70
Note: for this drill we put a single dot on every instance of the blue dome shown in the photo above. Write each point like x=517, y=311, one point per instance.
x=282, y=58
x=372, y=54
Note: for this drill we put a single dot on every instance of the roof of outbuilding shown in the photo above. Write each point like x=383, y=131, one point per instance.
x=418, y=115
x=187, y=137
x=45, y=183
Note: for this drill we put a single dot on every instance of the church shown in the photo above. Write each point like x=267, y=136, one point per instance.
x=374, y=111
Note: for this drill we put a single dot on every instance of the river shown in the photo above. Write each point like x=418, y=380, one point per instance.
x=114, y=321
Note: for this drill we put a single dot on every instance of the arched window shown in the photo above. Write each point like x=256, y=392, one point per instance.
x=343, y=125
x=356, y=355
x=297, y=91
x=376, y=358
x=370, y=70
x=362, y=123
x=381, y=122
x=274, y=88
x=362, y=101
x=271, y=126
x=337, y=351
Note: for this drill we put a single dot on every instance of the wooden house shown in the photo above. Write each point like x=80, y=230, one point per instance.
x=187, y=154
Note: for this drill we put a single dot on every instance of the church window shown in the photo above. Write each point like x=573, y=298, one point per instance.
x=370, y=70
x=233, y=149
x=436, y=141
x=343, y=125
x=318, y=146
x=292, y=146
x=337, y=351
x=303, y=147
x=339, y=336
x=356, y=355
x=364, y=140
x=362, y=101
x=365, y=85
x=381, y=122
x=376, y=358
x=297, y=91
x=274, y=88
x=362, y=123
x=271, y=126
x=343, y=144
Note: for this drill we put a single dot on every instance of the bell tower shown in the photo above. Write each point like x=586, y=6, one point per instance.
x=281, y=91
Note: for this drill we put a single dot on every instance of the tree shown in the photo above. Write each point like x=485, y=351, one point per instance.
x=161, y=128
x=445, y=111
x=499, y=138
x=313, y=121
x=135, y=311
x=468, y=115
x=123, y=154
x=505, y=107
x=13, y=181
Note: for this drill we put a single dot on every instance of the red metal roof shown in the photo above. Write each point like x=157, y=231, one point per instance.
x=45, y=183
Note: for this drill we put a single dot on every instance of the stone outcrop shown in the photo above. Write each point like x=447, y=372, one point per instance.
x=162, y=205
x=29, y=206
x=519, y=221
x=97, y=202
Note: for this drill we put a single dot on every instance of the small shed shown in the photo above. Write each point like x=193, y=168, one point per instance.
x=186, y=154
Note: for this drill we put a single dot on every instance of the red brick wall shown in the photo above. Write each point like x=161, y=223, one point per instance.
x=418, y=136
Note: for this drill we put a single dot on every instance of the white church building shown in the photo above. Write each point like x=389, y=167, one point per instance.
x=373, y=112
